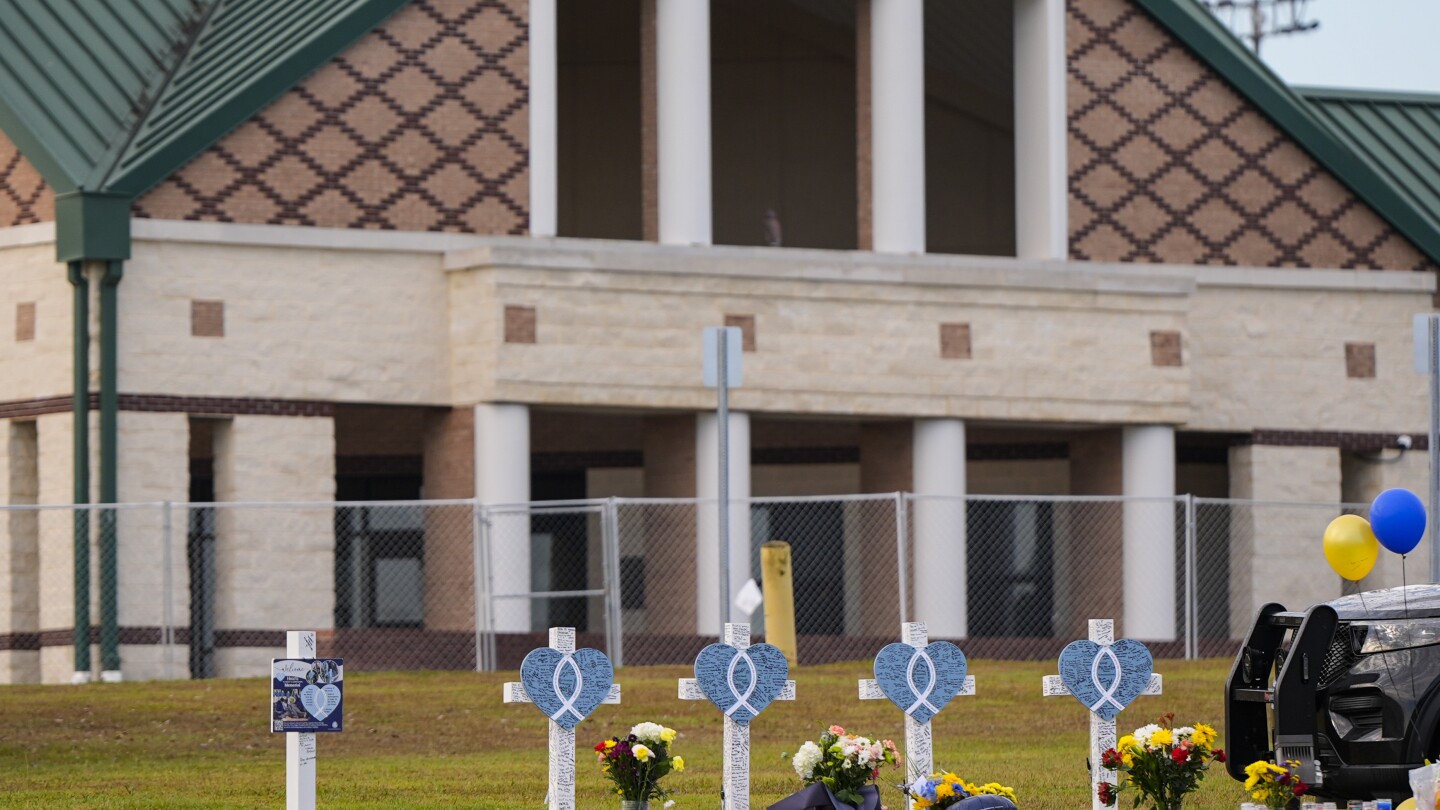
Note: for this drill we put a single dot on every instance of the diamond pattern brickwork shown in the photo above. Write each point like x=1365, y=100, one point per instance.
x=421, y=126
x=25, y=197
x=1168, y=163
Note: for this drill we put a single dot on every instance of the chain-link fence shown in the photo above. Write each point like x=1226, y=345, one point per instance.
x=208, y=590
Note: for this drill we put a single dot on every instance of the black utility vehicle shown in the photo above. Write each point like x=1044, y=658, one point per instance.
x=1349, y=688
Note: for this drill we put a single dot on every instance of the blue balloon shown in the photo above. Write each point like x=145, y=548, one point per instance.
x=1398, y=519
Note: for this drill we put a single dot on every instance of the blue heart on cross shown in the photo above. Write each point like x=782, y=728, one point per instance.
x=1105, y=678
x=741, y=682
x=920, y=680
x=567, y=688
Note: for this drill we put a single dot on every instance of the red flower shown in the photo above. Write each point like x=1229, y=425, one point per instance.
x=1300, y=788
x=1219, y=754
x=1180, y=755
x=600, y=747
x=1111, y=758
x=1106, y=793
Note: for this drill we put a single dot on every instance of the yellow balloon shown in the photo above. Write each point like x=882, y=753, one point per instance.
x=1351, y=547
x=1408, y=804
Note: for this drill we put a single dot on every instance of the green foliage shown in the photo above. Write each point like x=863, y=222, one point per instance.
x=446, y=741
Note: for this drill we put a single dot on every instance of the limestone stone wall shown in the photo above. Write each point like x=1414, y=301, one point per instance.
x=19, y=548
x=30, y=279
x=275, y=567
x=155, y=449
x=833, y=346
x=1367, y=475
x=1276, y=358
x=298, y=324
x=55, y=438
x=1275, y=550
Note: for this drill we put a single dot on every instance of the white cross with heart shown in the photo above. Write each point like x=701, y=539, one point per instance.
x=735, y=786
x=919, y=752
x=1102, y=731
x=561, y=795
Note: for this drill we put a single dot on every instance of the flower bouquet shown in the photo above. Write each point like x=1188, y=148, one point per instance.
x=1274, y=785
x=1160, y=763
x=840, y=768
x=636, y=763
x=944, y=789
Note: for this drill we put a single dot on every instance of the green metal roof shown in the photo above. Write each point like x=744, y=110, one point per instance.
x=74, y=75
x=1398, y=134
x=1311, y=127
x=109, y=97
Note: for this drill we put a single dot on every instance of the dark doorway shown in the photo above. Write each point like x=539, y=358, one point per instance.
x=1009, y=556
x=379, y=553
x=816, y=534
x=560, y=550
x=200, y=563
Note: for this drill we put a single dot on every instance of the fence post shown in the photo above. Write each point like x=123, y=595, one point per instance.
x=167, y=631
x=902, y=534
x=614, y=619
x=1191, y=632
x=484, y=661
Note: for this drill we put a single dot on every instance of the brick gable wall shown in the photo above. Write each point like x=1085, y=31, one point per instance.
x=25, y=198
x=1168, y=163
x=421, y=126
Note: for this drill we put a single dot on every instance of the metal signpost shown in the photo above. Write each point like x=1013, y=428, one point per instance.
x=1427, y=361
x=723, y=371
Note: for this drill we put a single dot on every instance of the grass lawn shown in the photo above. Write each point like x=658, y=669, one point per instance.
x=445, y=740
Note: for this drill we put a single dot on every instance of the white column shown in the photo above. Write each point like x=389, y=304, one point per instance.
x=502, y=476
x=897, y=124
x=707, y=530
x=939, y=527
x=544, y=116
x=1148, y=471
x=682, y=106
x=1040, y=130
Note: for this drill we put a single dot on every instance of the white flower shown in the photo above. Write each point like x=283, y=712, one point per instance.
x=1184, y=733
x=670, y=803
x=649, y=732
x=806, y=759
x=1142, y=734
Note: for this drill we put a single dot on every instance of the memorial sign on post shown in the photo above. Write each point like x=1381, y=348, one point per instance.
x=741, y=681
x=920, y=677
x=566, y=685
x=306, y=697
x=1104, y=675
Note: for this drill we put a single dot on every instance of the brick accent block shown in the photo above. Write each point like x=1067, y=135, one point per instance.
x=207, y=318
x=1165, y=349
x=520, y=326
x=1360, y=360
x=955, y=341
x=746, y=324
x=25, y=321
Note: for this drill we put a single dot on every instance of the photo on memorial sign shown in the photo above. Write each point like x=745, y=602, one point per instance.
x=306, y=694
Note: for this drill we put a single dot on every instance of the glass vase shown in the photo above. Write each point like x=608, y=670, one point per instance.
x=634, y=804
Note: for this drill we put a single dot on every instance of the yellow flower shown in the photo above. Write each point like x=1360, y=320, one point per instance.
x=944, y=790
x=1126, y=743
x=642, y=753
x=1204, y=735
x=668, y=735
x=609, y=744
x=679, y=763
x=1161, y=737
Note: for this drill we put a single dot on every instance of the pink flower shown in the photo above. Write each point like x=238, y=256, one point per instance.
x=890, y=744
x=837, y=731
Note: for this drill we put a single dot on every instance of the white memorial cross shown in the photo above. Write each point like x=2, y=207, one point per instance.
x=1102, y=731
x=735, y=787
x=300, y=745
x=561, y=785
x=919, y=753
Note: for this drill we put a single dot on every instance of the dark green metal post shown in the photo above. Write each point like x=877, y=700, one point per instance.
x=109, y=423
x=81, y=409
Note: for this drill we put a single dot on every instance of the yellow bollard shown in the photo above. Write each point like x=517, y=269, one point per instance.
x=778, y=578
